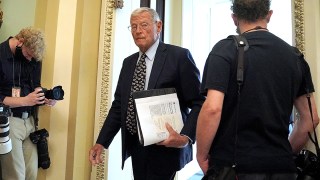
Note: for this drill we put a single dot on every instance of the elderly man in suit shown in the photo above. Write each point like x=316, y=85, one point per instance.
x=167, y=66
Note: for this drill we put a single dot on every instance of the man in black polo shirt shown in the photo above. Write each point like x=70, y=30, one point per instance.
x=20, y=72
x=247, y=126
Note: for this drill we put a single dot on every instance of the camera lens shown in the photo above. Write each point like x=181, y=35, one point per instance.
x=56, y=93
x=5, y=141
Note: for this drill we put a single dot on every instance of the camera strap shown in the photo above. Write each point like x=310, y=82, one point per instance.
x=242, y=45
x=35, y=109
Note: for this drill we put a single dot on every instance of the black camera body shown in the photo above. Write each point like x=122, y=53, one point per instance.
x=39, y=138
x=55, y=93
x=308, y=165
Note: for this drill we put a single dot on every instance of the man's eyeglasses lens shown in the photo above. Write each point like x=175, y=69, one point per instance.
x=135, y=27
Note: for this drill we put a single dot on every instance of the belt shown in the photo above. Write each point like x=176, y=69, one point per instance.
x=22, y=115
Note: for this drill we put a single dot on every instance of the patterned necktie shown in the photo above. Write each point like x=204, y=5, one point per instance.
x=138, y=83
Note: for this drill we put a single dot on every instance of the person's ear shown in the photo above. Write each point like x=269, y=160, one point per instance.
x=235, y=19
x=20, y=43
x=269, y=15
x=159, y=26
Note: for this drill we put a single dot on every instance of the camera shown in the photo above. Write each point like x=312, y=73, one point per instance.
x=55, y=93
x=5, y=141
x=308, y=165
x=39, y=138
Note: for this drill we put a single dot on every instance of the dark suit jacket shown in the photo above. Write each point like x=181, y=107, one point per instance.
x=173, y=66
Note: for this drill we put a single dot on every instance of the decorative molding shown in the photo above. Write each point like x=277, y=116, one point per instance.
x=299, y=25
x=298, y=13
x=105, y=85
x=118, y=4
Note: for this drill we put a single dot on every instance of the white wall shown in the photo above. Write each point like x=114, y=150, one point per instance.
x=205, y=22
x=123, y=47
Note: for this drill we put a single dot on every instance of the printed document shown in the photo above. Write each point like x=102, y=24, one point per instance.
x=154, y=111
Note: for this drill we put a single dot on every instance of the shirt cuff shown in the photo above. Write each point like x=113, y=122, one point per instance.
x=190, y=140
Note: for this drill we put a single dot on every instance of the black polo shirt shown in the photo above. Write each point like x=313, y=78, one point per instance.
x=14, y=72
x=274, y=75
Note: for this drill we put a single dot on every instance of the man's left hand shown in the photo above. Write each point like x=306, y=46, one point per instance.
x=50, y=102
x=174, y=140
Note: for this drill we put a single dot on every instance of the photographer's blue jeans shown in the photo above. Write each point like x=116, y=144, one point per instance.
x=22, y=162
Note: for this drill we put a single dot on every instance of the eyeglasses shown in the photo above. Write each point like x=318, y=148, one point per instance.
x=135, y=27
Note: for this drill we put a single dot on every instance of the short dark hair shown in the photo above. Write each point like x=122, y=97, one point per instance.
x=250, y=10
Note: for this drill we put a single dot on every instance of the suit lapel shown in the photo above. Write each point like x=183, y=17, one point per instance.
x=130, y=69
x=157, y=66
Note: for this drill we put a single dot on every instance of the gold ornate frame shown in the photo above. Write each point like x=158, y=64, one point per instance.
x=298, y=15
x=104, y=85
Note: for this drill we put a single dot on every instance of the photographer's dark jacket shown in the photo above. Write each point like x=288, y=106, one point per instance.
x=14, y=72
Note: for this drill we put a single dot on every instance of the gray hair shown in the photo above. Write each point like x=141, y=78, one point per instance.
x=152, y=12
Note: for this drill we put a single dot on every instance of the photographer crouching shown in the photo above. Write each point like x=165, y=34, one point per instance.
x=20, y=89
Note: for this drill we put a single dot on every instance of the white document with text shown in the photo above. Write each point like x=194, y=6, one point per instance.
x=153, y=112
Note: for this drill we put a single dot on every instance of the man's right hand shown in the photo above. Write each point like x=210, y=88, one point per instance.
x=95, y=154
x=35, y=98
